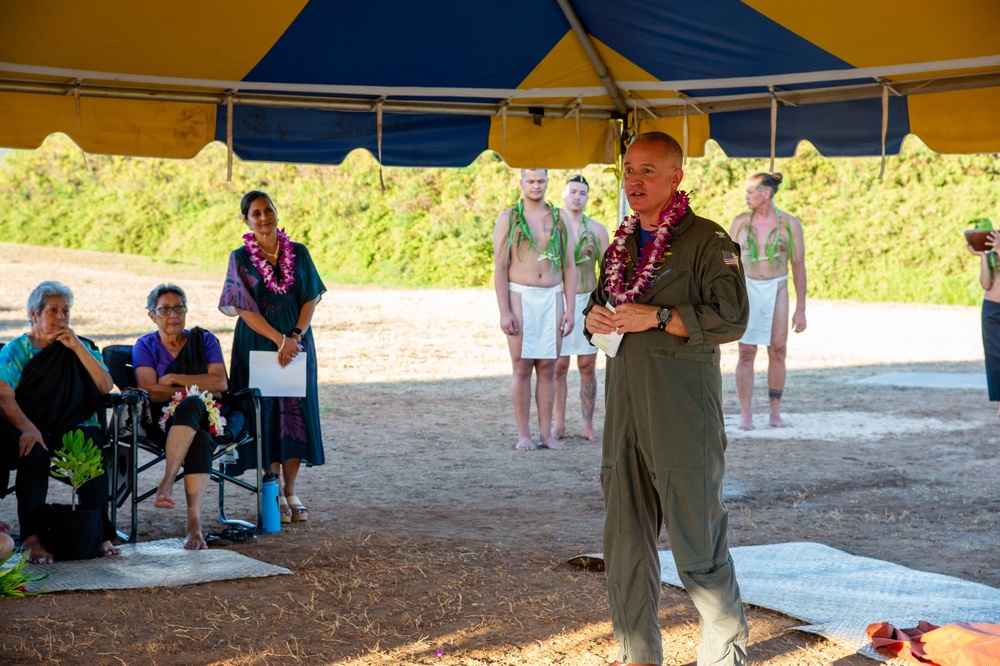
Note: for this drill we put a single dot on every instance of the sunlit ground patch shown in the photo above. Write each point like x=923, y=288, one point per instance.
x=830, y=426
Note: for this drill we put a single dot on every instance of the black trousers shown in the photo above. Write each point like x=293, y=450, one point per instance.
x=33, y=478
x=191, y=412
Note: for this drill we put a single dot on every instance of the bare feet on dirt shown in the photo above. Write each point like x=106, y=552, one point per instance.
x=551, y=442
x=525, y=444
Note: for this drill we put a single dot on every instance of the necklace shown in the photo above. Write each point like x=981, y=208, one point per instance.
x=553, y=251
x=617, y=257
x=585, y=247
x=273, y=255
x=773, y=241
x=286, y=263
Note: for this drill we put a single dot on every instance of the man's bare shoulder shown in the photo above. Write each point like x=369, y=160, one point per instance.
x=793, y=221
x=504, y=216
x=600, y=229
x=738, y=222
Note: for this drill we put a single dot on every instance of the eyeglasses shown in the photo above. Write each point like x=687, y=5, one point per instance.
x=166, y=312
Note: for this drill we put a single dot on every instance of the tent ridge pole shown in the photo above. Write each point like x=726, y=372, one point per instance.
x=595, y=58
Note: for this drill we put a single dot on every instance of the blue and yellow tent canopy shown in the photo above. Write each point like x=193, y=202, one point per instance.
x=542, y=82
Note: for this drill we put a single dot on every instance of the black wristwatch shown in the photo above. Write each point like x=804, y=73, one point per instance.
x=296, y=333
x=663, y=317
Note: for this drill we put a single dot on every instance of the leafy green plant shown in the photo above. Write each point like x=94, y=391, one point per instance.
x=984, y=224
x=865, y=239
x=78, y=461
x=13, y=580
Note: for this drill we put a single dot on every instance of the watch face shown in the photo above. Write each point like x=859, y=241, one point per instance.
x=663, y=315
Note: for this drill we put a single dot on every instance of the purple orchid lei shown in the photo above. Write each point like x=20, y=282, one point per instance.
x=654, y=251
x=286, y=262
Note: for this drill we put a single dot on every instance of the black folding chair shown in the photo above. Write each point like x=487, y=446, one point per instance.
x=129, y=441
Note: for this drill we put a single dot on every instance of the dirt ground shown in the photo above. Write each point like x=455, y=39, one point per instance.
x=432, y=541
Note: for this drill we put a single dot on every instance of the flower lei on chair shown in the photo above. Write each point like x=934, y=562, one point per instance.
x=617, y=257
x=216, y=421
x=286, y=262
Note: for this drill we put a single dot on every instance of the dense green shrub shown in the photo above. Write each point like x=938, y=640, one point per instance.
x=898, y=239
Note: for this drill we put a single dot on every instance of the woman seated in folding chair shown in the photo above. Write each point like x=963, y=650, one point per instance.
x=51, y=382
x=166, y=361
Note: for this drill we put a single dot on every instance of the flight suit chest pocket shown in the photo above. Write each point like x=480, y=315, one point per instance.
x=671, y=285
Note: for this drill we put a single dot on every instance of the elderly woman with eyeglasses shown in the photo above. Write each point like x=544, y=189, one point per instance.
x=52, y=382
x=167, y=361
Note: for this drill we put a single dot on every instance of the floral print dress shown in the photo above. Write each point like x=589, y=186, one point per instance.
x=290, y=426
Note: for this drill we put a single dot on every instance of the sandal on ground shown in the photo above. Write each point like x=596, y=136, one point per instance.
x=216, y=540
x=284, y=510
x=238, y=534
x=299, y=512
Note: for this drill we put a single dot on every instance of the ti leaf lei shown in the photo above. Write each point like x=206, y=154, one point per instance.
x=617, y=258
x=286, y=262
x=771, y=249
x=553, y=251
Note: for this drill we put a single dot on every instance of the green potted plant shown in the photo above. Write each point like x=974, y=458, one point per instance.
x=75, y=533
x=976, y=238
x=14, y=580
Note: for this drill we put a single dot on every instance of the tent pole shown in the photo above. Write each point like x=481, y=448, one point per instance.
x=229, y=139
x=885, y=125
x=595, y=58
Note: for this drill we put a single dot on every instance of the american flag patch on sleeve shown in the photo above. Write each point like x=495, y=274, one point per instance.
x=730, y=258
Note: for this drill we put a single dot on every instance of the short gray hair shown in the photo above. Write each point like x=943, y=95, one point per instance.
x=160, y=290
x=662, y=138
x=44, y=291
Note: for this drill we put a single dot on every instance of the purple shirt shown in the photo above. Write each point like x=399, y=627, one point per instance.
x=149, y=352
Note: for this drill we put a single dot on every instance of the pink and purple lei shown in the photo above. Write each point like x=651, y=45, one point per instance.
x=286, y=262
x=617, y=257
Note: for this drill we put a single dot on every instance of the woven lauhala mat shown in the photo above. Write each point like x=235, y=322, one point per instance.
x=149, y=564
x=838, y=595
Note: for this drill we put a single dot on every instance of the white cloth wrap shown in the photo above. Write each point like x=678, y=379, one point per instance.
x=763, y=294
x=575, y=344
x=539, y=325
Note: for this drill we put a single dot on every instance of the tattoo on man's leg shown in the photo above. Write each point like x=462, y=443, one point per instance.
x=588, y=396
x=774, y=395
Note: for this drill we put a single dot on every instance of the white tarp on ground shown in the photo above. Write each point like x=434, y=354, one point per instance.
x=150, y=564
x=838, y=595
x=836, y=426
x=943, y=380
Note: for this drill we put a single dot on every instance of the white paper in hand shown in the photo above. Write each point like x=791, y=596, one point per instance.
x=272, y=380
x=608, y=342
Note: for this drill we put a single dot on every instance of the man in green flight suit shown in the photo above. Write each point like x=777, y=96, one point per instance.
x=675, y=286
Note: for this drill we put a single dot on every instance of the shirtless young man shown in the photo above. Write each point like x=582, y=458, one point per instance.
x=531, y=274
x=591, y=242
x=770, y=239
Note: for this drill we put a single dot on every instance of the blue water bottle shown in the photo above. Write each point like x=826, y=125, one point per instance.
x=271, y=514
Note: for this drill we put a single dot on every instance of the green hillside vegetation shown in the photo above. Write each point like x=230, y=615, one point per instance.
x=898, y=239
